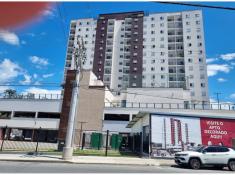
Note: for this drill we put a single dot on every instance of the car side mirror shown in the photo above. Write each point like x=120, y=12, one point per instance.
x=203, y=152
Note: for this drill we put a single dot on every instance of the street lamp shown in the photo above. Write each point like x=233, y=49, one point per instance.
x=79, y=59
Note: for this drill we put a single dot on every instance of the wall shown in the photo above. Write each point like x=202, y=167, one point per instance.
x=155, y=95
x=90, y=106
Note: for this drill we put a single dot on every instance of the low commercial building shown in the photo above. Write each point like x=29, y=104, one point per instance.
x=162, y=133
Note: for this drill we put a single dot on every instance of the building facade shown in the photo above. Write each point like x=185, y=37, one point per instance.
x=138, y=50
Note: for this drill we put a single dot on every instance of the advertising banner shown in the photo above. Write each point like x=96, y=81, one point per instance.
x=171, y=134
x=217, y=131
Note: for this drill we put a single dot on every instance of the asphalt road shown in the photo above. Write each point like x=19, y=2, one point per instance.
x=36, y=167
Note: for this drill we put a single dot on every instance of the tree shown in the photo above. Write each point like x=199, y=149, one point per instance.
x=10, y=93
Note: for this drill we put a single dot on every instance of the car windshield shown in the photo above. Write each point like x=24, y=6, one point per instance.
x=199, y=149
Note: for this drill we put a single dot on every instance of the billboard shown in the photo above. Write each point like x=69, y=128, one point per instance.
x=175, y=133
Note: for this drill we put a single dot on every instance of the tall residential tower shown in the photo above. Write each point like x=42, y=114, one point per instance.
x=141, y=50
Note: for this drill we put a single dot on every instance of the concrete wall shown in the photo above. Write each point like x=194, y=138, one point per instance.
x=90, y=107
x=30, y=105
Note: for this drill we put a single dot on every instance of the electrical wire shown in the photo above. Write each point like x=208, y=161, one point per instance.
x=198, y=5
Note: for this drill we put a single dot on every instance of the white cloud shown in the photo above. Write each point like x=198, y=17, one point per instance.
x=213, y=69
x=221, y=80
x=228, y=56
x=9, y=37
x=27, y=79
x=233, y=63
x=47, y=75
x=23, y=42
x=49, y=12
x=232, y=96
x=31, y=34
x=38, y=61
x=35, y=76
x=9, y=70
x=211, y=60
x=3, y=88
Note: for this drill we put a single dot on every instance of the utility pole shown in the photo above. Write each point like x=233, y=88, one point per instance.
x=79, y=59
x=217, y=97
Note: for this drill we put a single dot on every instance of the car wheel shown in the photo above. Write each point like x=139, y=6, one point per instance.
x=195, y=163
x=231, y=165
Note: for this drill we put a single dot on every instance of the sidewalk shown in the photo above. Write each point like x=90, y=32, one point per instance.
x=86, y=160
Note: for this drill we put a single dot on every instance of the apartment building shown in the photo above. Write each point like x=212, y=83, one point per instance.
x=139, y=50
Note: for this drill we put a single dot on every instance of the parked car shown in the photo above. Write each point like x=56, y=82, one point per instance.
x=218, y=156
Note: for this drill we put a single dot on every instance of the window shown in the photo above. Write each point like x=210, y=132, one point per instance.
x=192, y=93
x=161, y=24
x=80, y=23
x=162, y=68
x=191, y=76
x=162, y=39
x=161, y=18
x=190, y=60
x=152, y=53
x=202, y=76
x=86, y=36
x=162, y=53
x=188, y=37
x=197, y=15
x=222, y=149
x=153, y=76
x=87, y=29
x=162, y=76
x=199, y=44
x=120, y=70
x=197, y=22
x=189, y=44
x=161, y=31
x=203, y=85
x=25, y=114
x=153, y=46
x=162, y=61
x=87, y=23
x=187, y=23
x=5, y=114
x=152, y=19
x=190, y=52
x=152, y=39
x=187, y=16
x=152, y=61
x=190, y=68
x=152, y=25
x=152, y=68
x=210, y=149
x=188, y=30
x=203, y=93
x=199, y=59
x=152, y=32
x=161, y=46
x=198, y=36
x=79, y=29
x=48, y=115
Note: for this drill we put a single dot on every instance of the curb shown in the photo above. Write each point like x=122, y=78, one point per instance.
x=71, y=162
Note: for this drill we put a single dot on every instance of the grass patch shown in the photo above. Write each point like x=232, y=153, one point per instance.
x=112, y=153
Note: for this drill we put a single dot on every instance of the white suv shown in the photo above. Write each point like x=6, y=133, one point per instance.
x=218, y=156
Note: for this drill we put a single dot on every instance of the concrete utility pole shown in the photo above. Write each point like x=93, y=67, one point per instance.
x=79, y=59
x=217, y=96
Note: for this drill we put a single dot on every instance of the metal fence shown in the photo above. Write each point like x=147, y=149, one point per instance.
x=192, y=106
x=16, y=142
x=31, y=96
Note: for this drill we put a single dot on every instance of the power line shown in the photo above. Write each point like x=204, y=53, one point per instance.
x=61, y=20
x=198, y=5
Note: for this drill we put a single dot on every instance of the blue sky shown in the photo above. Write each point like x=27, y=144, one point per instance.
x=36, y=52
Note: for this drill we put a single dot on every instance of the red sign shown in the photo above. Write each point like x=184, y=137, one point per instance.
x=215, y=131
